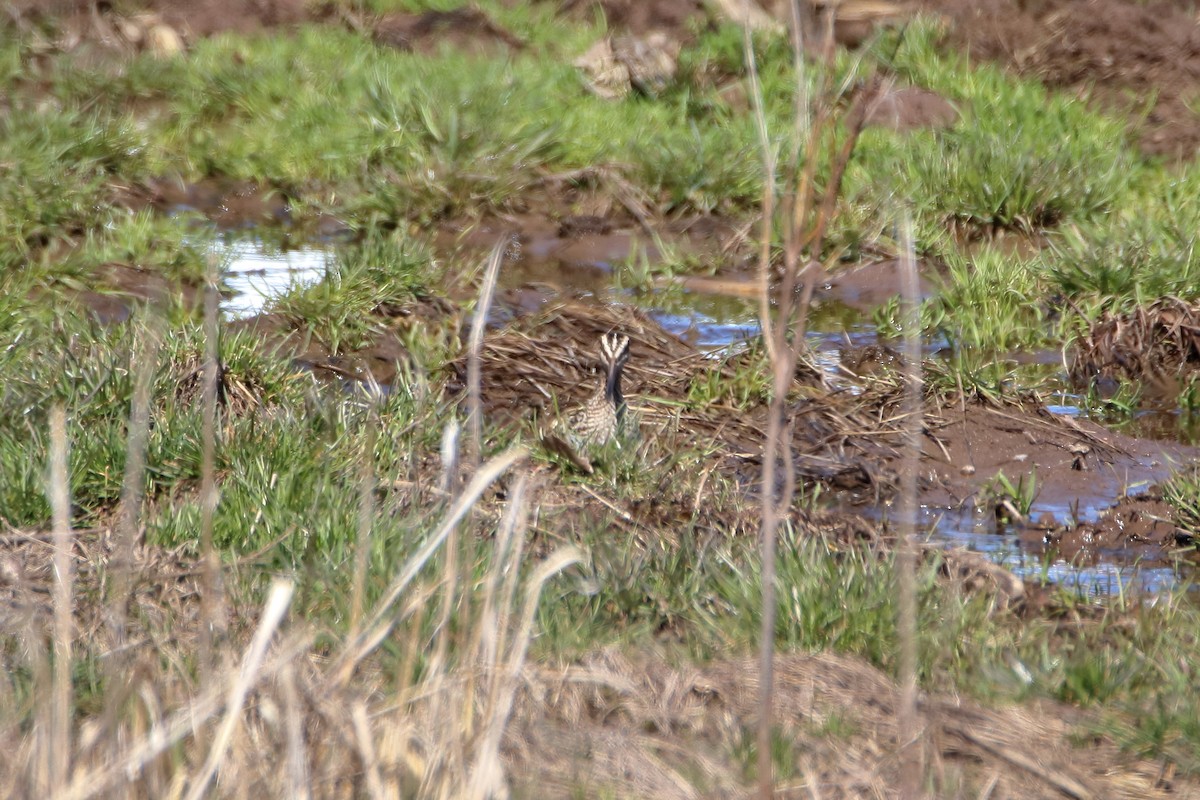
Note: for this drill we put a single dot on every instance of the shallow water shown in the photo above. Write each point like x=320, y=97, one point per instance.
x=1112, y=573
x=718, y=323
x=256, y=273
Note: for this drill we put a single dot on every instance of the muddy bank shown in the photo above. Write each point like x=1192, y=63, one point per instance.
x=1135, y=58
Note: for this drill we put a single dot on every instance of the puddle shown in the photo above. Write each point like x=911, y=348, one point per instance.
x=255, y=272
x=1106, y=573
x=710, y=322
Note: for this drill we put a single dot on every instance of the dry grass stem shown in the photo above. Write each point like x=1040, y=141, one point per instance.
x=506, y=559
x=211, y=592
x=911, y=752
x=478, y=328
x=166, y=733
x=145, y=363
x=297, y=761
x=768, y=195
x=380, y=623
x=366, y=515
x=487, y=779
x=59, y=766
x=366, y=751
x=276, y=607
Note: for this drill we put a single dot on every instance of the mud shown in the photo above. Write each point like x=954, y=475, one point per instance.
x=674, y=17
x=910, y=108
x=114, y=289
x=584, y=252
x=1135, y=529
x=228, y=203
x=189, y=17
x=466, y=29
x=1130, y=57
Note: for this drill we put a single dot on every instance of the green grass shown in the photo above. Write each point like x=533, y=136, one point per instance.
x=1142, y=252
x=345, y=311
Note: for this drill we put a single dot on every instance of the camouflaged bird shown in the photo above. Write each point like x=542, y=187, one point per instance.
x=601, y=416
x=600, y=419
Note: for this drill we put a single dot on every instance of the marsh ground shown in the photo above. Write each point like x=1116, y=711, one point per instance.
x=406, y=139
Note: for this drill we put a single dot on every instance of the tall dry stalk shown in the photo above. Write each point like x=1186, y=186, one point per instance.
x=297, y=785
x=805, y=217
x=278, y=600
x=452, y=556
x=491, y=625
x=59, y=765
x=127, y=530
x=487, y=778
x=211, y=596
x=475, y=347
x=381, y=620
x=128, y=519
x=911, y=753
x=768, y=195
x=136, y=753
x=366, y=517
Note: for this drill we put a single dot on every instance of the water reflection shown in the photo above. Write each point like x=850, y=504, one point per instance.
x=256, y=273
x=976, y=530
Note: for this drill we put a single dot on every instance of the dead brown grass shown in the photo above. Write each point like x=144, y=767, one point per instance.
x=1157, y=342
x=625, y=726
x=611, y=724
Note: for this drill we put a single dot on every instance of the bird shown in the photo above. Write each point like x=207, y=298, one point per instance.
x=601, y=418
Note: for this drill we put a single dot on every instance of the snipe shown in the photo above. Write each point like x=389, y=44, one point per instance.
x=600, y=419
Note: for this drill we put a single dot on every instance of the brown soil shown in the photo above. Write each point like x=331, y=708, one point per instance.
x=1073, y=458
x=114, y=289
x=1135, y=57
x=467, y=29
x=189, y=17
x=910, y=108
x=228, y=203
x=1074, y=464
x=1138, y=529
x=674, y=17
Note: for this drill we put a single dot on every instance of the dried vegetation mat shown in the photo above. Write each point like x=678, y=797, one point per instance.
x=611, y=724
x=1157, y=342
x=711, y=405
x=639, y=727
